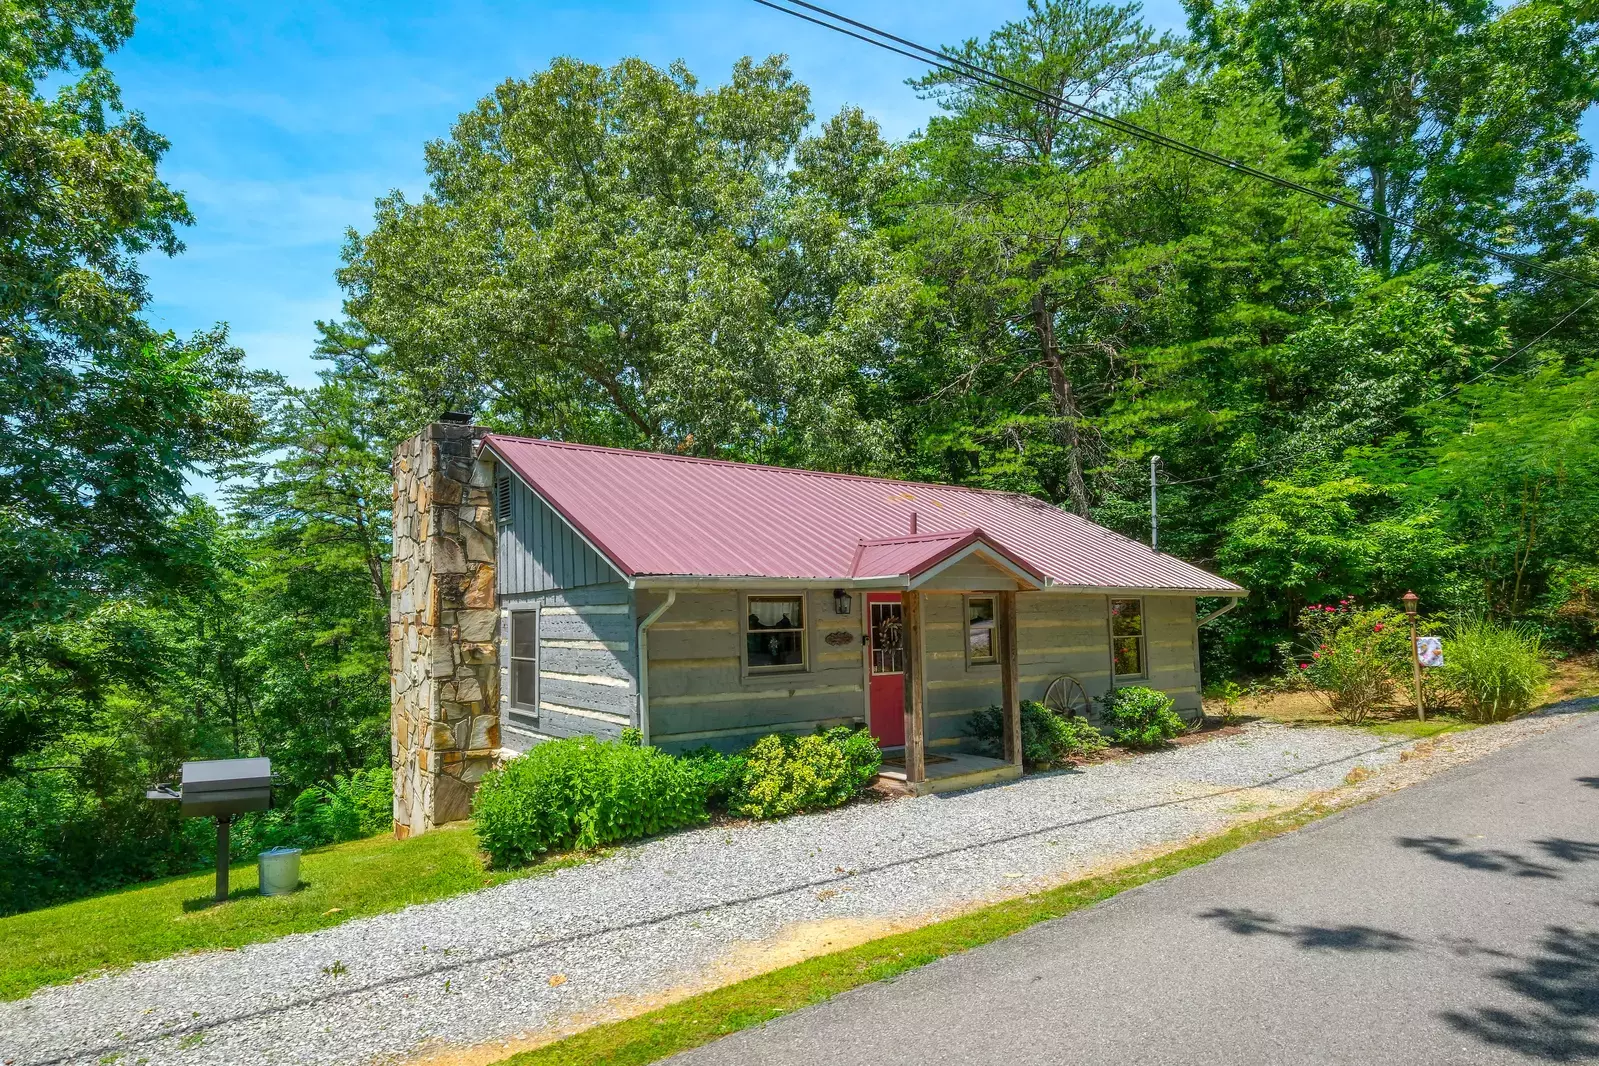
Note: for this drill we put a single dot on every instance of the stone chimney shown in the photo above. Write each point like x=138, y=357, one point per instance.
x=444, y=677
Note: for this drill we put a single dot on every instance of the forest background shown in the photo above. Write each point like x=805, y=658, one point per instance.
x=627, y=256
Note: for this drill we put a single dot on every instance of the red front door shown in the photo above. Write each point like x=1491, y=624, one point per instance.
x=885, y=635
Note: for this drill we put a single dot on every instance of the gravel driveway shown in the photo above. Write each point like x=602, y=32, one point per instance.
x=671, y=914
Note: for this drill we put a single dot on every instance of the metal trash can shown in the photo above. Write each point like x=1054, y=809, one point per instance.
x=280, y=871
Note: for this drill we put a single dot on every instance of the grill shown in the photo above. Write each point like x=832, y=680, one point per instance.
x=220, y=788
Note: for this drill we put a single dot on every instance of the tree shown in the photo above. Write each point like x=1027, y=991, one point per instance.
x=1000, y=205
x=101, y=417
x=1455, y=114
x=1515, y=472
x=619, y=257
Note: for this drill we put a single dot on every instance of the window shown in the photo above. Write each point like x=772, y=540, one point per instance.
x=524, y=664
x=888, y=637
x=1127, y=638
x=980, y=645
x=776, y=633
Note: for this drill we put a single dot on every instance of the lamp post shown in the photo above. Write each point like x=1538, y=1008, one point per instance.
x=1410, y=600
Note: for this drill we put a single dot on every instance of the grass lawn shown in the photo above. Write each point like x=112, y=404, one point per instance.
x=706, y=1017
x=1409, y=727
x=162, y=918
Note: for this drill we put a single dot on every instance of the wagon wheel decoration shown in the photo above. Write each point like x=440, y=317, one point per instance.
x=1067, y=697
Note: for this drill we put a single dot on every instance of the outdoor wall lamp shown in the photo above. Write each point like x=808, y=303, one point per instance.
x=841, y=601
x=1410, y=599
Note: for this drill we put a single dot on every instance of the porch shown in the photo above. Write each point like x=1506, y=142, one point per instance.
x=912, y=765
x=944, y=772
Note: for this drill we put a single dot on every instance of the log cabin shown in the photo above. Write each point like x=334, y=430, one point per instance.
x=544, y=590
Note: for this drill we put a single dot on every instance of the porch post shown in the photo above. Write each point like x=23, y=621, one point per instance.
x=915, y=731
x=1009, y=689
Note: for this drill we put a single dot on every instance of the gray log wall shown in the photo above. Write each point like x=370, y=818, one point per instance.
x=587, y=665
x=701, y=694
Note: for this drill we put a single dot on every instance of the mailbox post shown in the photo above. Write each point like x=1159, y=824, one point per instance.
x=220, y=788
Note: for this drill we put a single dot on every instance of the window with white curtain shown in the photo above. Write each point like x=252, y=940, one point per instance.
x=775, y=633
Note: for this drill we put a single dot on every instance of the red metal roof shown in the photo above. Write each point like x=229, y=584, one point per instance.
x=655, y=514
x=919, y=552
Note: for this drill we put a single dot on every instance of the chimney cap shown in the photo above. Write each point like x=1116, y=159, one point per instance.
x=459, y=418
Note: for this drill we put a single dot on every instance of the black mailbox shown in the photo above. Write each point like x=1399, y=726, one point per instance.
x=221, y=788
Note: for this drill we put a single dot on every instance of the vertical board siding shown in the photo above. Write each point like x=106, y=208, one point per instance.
x=539, y=552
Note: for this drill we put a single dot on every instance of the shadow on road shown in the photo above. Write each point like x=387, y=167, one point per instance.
x=1560, y=1023
x=1248, y=922
x=1454, y=850
x=1572, y=851
x=1591, y=782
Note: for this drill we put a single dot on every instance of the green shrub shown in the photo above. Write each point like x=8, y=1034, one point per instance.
x=1231, y=696
x=1048, y=739
x=583, y=793
x=720, y=774
x=783, y=774
x=1139, y=717
x=1496, y=671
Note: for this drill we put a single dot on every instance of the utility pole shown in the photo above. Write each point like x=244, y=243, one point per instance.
x=1154, y=514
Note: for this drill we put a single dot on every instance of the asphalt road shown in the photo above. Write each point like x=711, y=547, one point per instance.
x=1456, y=921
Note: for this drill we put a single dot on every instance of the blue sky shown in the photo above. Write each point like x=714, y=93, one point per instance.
x=288, y=120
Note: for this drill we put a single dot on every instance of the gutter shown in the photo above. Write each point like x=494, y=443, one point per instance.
x=643, y=646
x=1213, y=615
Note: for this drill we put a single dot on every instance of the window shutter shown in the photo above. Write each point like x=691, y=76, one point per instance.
x=502, y=501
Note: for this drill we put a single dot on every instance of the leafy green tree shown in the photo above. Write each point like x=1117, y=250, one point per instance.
x=1456, y=114
x=617, y=256
x=1515, y=474
x=1001, y=220
x=313, y=516
x=101, y=417
x=1313, y=542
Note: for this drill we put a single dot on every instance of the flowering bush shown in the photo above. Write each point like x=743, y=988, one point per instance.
x=1352, y=656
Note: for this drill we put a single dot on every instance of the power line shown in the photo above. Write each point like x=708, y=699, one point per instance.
x=1389, y=422
x=973, y=72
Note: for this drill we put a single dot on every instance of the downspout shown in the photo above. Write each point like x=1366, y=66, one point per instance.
x=643, y=646
x=1213, y=615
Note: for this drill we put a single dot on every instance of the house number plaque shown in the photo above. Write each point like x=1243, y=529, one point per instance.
x=839, y=637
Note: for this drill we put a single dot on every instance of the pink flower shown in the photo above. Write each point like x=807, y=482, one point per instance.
x=1324, y=647
x=1304, y=666
x=1377, y=628
x=1315, y=655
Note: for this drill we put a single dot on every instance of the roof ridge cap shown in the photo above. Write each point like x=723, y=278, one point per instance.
x=912, y=538
x=703, y=460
